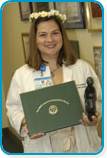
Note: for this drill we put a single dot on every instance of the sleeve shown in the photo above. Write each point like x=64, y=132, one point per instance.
x=91, y=73
x=13, y=105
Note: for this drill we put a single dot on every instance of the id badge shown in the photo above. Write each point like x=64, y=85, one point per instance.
x=43, y=82
x=43, y=79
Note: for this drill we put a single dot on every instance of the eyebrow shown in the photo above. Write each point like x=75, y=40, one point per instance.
x=47, y=32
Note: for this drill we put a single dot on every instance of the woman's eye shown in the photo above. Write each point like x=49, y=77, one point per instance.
x=56, y=33
x=42, y=35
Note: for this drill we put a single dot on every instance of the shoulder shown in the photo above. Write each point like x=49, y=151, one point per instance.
x=23, y=71
x=81, y=67
x=80, y=64
x=85, y=67
x=23, y=68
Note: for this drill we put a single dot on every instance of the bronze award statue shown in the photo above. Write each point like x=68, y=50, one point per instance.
x=90, y=98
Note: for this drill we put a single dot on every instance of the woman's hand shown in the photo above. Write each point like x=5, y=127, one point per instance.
x=85, y=121
x=37, y=135
x=25, y=130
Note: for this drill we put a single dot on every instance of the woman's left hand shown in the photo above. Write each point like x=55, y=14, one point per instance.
x=85, y=121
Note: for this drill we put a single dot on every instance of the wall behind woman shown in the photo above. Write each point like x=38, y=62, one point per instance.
x=87, y=40
x=13, y=56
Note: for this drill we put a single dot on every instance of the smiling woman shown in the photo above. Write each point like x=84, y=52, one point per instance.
x=50, y=48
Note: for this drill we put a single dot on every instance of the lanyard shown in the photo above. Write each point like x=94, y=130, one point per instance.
x=42, y=68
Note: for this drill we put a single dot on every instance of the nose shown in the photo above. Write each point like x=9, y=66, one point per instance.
x=49, y=38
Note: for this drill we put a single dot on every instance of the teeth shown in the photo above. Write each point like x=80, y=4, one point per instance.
x=50, y=46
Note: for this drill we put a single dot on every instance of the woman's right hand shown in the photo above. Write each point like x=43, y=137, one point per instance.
x=25, y=130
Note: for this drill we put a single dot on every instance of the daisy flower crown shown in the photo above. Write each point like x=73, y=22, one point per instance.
x=43, y=14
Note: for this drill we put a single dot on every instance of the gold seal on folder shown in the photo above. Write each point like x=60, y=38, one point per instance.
x=53, y=109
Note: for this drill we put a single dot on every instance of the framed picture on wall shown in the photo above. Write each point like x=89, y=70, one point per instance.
x=25, y=43
x=40, y=6
x=98, y=60
x=93, y=16
x=75, y=46
x=25, y=10
x=74, y=12
x=96, y=10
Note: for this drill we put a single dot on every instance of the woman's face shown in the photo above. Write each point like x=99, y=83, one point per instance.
x=49, y=38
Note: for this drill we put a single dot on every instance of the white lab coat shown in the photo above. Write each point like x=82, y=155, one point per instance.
x=76, y=139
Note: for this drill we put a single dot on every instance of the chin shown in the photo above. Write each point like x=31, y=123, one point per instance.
x=51, y=52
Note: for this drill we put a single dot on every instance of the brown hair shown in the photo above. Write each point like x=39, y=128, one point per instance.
x=66, y=53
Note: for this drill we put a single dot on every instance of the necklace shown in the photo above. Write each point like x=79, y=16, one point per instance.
x=53, y=72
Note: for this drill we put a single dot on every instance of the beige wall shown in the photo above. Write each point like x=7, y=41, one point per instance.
x=12, y=43
x=4, y=118
x=87, y=40
x=13, y=56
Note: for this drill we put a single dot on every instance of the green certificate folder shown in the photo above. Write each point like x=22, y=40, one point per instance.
x=52, y=108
